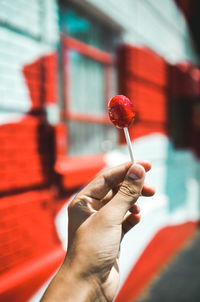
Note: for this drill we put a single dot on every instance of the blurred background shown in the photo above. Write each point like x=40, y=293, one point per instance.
x=60, y=63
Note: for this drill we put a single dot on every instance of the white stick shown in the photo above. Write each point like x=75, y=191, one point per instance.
x=129, y=144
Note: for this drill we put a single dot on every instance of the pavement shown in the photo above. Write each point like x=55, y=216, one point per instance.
x=179, y=281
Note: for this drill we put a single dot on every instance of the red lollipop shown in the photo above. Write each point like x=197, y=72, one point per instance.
x=121, y=114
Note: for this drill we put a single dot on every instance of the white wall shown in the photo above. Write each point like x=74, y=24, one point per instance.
x=156, y=24
x=28, y=30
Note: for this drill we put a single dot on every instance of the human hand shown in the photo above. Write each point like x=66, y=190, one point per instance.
x=97, y=224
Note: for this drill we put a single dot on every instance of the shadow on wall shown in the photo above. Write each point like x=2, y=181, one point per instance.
x=27, y=147
x=30, y=246
x=184, y=133
x=41, y=80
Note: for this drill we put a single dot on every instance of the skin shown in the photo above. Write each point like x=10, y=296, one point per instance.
x=99, y=216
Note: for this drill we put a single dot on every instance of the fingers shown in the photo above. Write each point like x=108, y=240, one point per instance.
x=107, y=180
x=148, y=191
x=117, y=185
x=130, y=221
x=146, y=165
x=129, y=192
x=135, y=209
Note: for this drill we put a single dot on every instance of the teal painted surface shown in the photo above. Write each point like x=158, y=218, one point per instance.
x=177, y=176
x=84, y=27
x=182, y=181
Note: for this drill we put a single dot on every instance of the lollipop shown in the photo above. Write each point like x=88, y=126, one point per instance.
x=121, y=114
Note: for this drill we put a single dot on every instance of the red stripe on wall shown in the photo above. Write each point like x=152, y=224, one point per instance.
x=31, y=249
x=41, y=77
x=143, y=79
x=20, y=285
x=77, y=171
x=162, y=247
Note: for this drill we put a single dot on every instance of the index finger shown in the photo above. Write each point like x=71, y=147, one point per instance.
x=105, y=181
x=146, y=164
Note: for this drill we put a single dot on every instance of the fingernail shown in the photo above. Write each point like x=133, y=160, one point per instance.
x=136, y=172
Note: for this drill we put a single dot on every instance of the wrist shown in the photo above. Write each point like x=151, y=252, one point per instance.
x=68, y=285
x=81, y=288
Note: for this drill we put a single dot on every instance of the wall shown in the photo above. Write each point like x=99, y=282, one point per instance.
x=29, y=37
x=156, y=24
x=24, y=36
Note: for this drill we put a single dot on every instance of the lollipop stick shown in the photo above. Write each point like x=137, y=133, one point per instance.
x=129, y=144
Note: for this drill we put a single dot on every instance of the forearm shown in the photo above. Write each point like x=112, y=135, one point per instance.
x=66, y=286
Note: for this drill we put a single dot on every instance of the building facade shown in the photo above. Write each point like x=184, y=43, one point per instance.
x=60, y=62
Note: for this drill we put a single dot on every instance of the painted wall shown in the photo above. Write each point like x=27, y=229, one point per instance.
x=32, y=30
x=29, y=38
x=156, y=24
x=28, y=30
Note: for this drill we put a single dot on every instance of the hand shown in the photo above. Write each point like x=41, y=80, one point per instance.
x=97, y=224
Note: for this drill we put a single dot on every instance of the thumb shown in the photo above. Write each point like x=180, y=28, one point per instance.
x=129, y=191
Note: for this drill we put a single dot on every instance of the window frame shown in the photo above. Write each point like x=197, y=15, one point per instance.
x=77, y=170
x=106, y=59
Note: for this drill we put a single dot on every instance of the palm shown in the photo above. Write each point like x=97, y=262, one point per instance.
x=79, y=213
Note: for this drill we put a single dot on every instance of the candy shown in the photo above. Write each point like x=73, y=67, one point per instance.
x=121, y=113
x=120, y=110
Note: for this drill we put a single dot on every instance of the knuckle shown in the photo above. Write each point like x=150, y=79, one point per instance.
x=76, y=202
x=129, y=191
x=81, y=201
x=107, y=181
x=72, y=203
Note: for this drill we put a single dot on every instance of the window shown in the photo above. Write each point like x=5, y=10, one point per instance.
x=88, y=82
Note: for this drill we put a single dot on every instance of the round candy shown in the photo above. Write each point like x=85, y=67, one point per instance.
x=120, y=110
